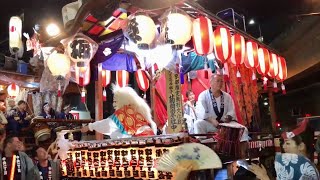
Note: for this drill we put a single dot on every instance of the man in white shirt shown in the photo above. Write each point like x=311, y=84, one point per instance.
x=215, y=106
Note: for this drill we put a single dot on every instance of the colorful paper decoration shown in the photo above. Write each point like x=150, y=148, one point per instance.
x=202, y=36
x=264, y=63
x=282, y=75
x=222, y=43
x=15, y=36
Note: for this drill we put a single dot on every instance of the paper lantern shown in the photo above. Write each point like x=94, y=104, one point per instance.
x=273, y=68
x=13, y=90
x=251, y=60
x=141, y=30
x=202, y=35
x=122, y=78
x=282, y=75
x=142, y=80
x=264, y=63
x=15, y=36
x=222, y=44
x=238, y=52
x=177, y=28
x=81, y=49
x=58, y=64
x=252, y=55
x=106, y=77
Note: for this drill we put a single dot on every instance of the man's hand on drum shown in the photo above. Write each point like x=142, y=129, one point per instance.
x=214, y=122
x=85, y=129
x=227, y=119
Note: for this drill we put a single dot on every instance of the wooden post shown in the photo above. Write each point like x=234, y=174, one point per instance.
x=174, y=102
x=272, y=109
x=99, y=100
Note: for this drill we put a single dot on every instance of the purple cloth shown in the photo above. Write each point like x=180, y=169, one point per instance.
x=120, y=61
x=112, y=42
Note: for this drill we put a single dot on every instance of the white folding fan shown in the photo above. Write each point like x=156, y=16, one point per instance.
x=201, y=156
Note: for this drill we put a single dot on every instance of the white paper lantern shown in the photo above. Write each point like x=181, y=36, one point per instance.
x=177, y=28
x=80, y=49
x=141, y=30
x=58, y=64
x=13, y=90
x=15, y=36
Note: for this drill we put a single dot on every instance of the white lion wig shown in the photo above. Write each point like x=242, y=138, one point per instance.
x=128, y=96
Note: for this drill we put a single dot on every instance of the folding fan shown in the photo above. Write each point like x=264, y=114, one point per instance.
x=201, y=156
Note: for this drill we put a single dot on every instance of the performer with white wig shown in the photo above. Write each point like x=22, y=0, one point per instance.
x=132, y=116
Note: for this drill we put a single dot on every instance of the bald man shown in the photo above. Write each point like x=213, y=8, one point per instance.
x=215, y=106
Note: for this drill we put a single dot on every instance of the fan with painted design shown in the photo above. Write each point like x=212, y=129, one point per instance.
x=201, y=156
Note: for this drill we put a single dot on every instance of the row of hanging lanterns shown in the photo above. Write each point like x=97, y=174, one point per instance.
x=177, y=28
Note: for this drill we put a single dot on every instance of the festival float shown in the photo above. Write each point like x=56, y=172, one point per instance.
x=167, y=47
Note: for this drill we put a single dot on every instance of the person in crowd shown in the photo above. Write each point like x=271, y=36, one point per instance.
x=132, y=116
x=15, y=164
x=215, y=106
x=22, y=147
x=189, y=109
x=19, y=118
x=11, y=105
x=294, y=162
x=65, y=114
x=45, y=169
x=49, y=113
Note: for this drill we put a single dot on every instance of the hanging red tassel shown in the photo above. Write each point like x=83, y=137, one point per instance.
x=238, y=77
x=283, y=87
x=275, y=86
x=206, y=74
x=265, y=83
x=104, y=94
x=83, y=96
x=81, y=80
x=225, y=72
x=59, y=89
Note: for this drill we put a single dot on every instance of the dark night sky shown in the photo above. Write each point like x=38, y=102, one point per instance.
x=274, y=15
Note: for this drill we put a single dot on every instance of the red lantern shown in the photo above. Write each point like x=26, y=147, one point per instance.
x=251, y=60
x=264, y=63
x=202, y=35
x=106, y=79
x=142, y=80
x=238, y=52
x=282, y=75
x=13, y=90
x=222, y=43
x=274, y=69
x=122, y=78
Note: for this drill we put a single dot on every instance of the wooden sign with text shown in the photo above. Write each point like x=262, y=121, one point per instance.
x=174, y=102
